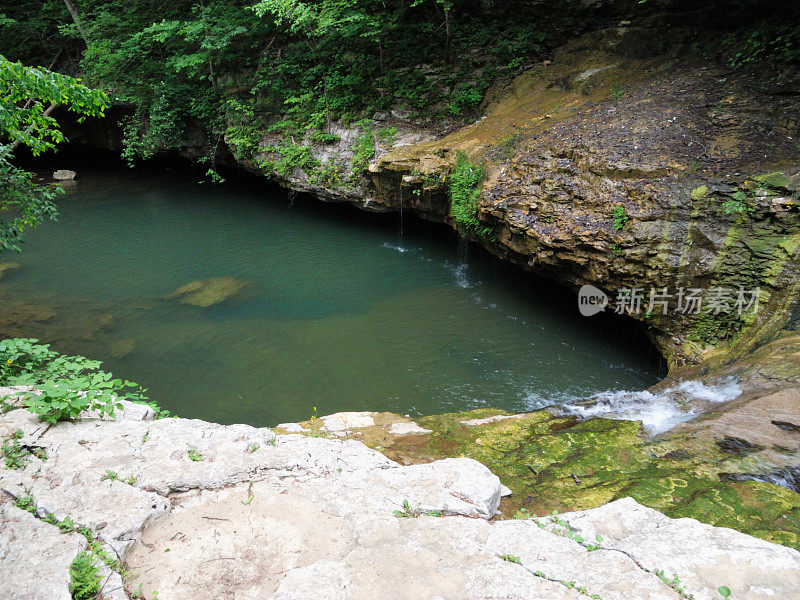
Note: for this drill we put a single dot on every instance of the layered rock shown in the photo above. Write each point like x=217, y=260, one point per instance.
x=204, y=511
x=618, y=172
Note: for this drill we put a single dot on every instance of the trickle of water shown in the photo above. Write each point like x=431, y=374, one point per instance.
x=463, y=249
x=400, y=224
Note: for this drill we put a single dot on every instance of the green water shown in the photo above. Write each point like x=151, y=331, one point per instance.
x=339, y=311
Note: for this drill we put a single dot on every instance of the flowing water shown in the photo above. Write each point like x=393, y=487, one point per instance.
x=333, y=313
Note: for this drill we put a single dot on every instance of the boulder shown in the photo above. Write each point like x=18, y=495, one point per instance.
x=64, y=175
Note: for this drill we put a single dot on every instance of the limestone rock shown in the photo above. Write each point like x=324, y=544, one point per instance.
x=249, y=514
x=347, y=420
x=407, y=428
x=64, y=175
x=34, y=556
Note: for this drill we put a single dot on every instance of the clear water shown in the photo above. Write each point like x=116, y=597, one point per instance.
x=339, y=313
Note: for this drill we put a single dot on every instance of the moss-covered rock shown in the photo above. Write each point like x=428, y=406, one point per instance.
x=559, y=463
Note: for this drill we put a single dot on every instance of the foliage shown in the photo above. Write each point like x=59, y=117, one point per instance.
x=778, y=42
x=617, y=92
x=65, y=385
x=363, y=149
x=413, y=513
x=235, y=69
x=84, y=577
x=28, y=203
x=194, y=454
x=620, y=216
x=28, y=95
x=13, y=453
x=511, y=558
x=465, y=189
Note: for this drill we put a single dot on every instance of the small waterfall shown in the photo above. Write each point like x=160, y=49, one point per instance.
x=461, y=269
x=463, y=250
x=400, y=224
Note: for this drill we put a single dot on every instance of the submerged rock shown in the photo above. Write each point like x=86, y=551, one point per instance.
x=6, y=268
x=207, y=292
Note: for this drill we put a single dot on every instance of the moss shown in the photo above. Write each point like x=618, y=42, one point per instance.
x=699, y=193
x=777, y=181
x=559, y=463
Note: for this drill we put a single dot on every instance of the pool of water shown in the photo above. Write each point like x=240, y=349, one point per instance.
x=339, y=309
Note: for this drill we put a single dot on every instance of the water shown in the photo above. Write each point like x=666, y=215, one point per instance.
x=658, y=411
x=335, y=313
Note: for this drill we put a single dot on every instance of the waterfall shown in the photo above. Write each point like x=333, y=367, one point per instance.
x=400, y=224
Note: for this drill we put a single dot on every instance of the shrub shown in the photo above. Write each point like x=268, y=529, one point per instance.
x=65, y=385
x=465, y=190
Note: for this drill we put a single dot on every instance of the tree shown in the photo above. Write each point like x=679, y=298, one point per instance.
x=28, y=96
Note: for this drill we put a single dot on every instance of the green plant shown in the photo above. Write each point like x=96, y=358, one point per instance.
x=28, y=96
x=112, y=475
x=620, y=216
x=522, y=513
x=253, y=447
x=724, y=591
x=464, y=186
x=674, y=583
x=250, y=494
x=387, y=135
x=26, y=503
x=84, y=577
x=363, y=149
x=737, y=204
x=65, y=385
x=14, y=454
x=407, y=512
x=194, y=454
x=616, y=92
x=465, y=98
x=413, y=513
x=511, y=558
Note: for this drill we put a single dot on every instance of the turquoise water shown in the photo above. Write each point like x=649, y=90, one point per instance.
x=338, y=310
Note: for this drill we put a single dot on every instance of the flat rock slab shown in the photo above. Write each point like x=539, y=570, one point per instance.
x=199, y=510
x=34, y=557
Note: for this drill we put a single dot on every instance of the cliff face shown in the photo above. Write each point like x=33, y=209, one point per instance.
x=626, y=172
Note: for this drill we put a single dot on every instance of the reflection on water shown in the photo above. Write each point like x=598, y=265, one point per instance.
x=319, y=306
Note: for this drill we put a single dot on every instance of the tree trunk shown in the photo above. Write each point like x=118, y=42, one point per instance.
x=76, y=18
x=15, y=144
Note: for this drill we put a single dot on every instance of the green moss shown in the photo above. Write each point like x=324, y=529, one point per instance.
x=699, y=193
x=558, y=463
x=777, y=181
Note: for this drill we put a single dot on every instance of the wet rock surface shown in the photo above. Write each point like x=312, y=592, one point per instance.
x=207, y=292
x=701, y=202
x=206, y=511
